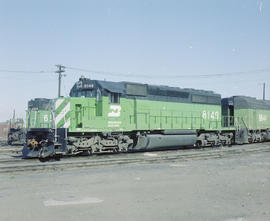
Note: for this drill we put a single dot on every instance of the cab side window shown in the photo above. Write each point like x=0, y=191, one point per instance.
x=114, y=98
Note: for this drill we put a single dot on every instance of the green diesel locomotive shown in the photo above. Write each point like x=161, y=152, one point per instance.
x=103, y=116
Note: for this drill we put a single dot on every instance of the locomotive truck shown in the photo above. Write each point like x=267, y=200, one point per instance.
x=103, y=116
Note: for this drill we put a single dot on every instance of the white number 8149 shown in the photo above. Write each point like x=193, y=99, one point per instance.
x=210, y=115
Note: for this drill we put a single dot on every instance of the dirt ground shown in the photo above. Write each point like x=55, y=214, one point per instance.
x=230, y=189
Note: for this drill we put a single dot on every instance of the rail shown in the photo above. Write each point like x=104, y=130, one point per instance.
x=24, y=166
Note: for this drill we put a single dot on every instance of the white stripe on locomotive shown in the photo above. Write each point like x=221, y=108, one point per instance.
x=67, y=123
x=63, y=113
x=58, y=103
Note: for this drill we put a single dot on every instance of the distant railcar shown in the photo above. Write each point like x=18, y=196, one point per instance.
x=103, y=116
x=250, y=118
x=16, y=136
x=17, y=132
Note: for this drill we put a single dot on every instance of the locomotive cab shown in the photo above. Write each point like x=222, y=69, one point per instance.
x=228, y=112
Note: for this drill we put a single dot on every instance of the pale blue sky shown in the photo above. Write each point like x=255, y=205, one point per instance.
x=150, y=38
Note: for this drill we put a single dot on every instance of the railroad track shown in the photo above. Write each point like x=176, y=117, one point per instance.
x=24, y=166
x=3, y=142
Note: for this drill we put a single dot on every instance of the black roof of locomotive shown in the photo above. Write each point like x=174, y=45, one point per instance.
x=147, y=91
x=120, y=87
x=40, y=103
x=244, y=102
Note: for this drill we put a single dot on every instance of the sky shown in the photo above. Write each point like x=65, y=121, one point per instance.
x=171, y=42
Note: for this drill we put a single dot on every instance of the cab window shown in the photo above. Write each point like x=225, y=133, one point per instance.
x=114, y=98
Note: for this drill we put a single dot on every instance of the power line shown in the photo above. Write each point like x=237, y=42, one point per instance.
x=25, y=71
x=117, y=74
x=256, y=71
x=98, y=72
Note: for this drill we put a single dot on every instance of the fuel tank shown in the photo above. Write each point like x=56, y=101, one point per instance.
x=165, y=140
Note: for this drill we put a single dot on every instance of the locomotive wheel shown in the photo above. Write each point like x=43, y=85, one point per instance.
x=89, y=152
x=199, y=144
x=41, y=159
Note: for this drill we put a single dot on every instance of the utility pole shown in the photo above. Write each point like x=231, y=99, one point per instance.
x=13, y=119
x=264, y=91
x=60, y=70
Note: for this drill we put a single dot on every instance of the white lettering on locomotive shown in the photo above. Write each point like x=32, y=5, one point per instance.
x=262, y=117
x=115, y=111
x=45, y=118
x=210, y=115
x=114, y=123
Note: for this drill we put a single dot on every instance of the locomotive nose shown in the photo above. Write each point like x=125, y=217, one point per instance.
x=27, y=153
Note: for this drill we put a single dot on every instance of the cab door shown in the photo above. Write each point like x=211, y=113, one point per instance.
x=231, y=115
x=78, y=115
